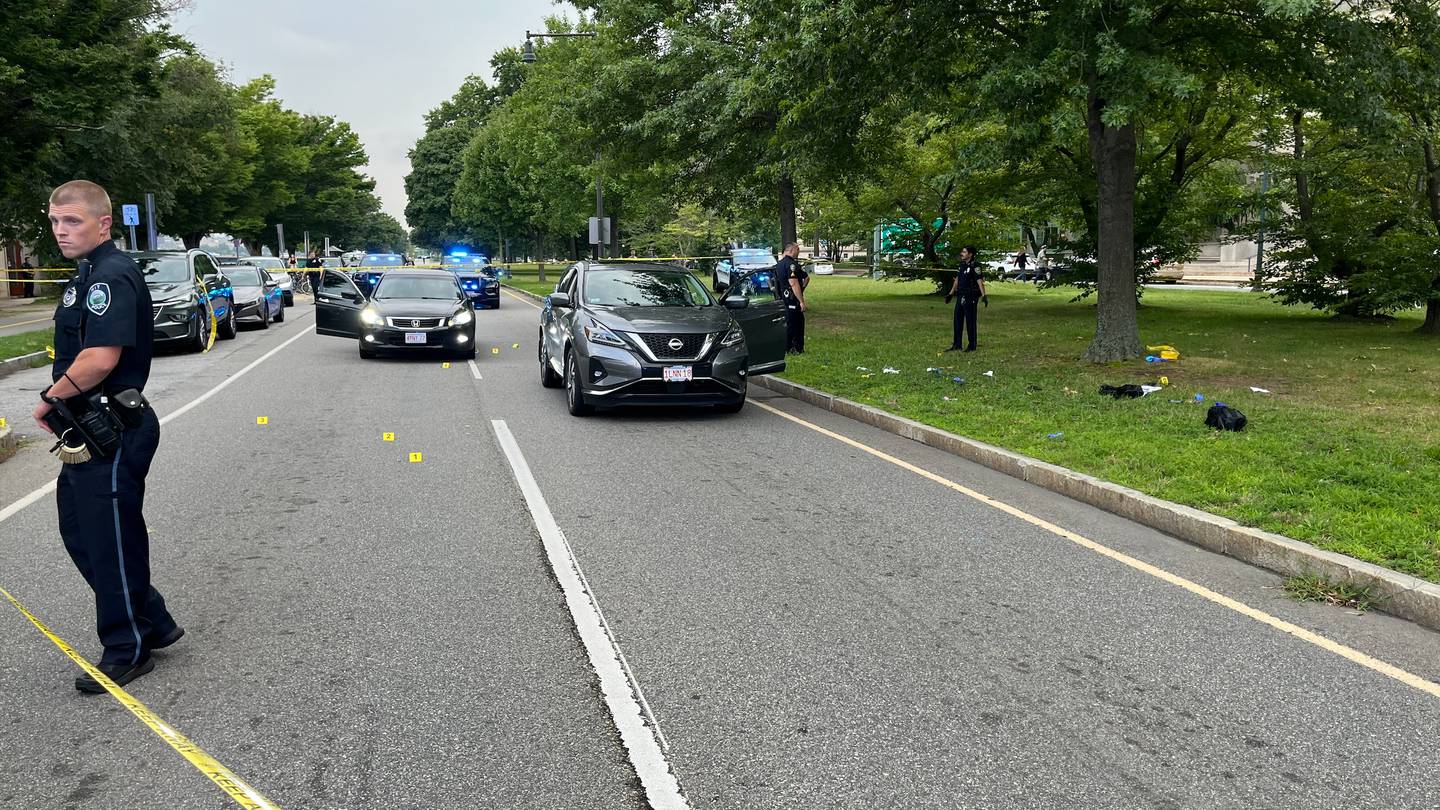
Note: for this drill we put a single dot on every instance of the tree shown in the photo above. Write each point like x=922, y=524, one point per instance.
x=64, y=69
x=435, y=160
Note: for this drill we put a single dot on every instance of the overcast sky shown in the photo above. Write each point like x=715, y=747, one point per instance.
x=379, y=64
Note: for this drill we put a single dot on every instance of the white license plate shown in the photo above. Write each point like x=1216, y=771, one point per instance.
x=679, y=374
x=414, y=337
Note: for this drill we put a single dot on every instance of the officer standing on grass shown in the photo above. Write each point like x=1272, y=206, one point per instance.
x=103, y=338
x=790, y=282
x=969, y=286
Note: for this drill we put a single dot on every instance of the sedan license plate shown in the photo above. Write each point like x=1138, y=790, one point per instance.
x=674, y=374
x=414, y=337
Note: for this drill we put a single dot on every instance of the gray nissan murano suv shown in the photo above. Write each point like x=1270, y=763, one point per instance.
x=651, y=334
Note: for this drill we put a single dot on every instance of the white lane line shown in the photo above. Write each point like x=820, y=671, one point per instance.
x=12, y=509
x=643, y=742
x=1349, y=653
x=475, y=371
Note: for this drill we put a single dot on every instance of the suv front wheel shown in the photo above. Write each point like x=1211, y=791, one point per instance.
x=574, y=396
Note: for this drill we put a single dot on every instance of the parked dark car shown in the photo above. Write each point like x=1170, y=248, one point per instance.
x=410, y=311
x=187, y=293
x=372, y=266
x=476, y=278
x=257, y=295
x=651, y=334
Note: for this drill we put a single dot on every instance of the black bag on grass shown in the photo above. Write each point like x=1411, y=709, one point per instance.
x=1224, y=417
x=1122, y=391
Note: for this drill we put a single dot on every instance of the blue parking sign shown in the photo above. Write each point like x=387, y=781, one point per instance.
x=131, y=213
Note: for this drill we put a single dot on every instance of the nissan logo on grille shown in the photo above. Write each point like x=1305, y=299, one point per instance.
x=676, y=344
x=415, y=323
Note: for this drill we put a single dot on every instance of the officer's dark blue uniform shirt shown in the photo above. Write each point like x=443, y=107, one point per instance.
x=106, y=304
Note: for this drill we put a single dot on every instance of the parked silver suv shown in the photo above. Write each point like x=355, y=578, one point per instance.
x=651, y=334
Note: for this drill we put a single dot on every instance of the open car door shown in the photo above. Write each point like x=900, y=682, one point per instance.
x=763, y=321
x=337, y=306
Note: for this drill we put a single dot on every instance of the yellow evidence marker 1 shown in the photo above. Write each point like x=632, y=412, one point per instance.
x=387, y=437
x=415, y=458
x=262, y=420
x=444, y=365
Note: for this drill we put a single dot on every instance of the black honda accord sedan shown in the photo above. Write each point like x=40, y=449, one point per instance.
x=408, y=311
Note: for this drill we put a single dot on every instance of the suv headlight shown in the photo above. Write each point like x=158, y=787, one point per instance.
x=734, y=336
x=462, y=318
x=370, y=317
x=596, y=333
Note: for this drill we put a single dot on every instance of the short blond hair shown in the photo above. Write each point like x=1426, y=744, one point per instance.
x=83, y=192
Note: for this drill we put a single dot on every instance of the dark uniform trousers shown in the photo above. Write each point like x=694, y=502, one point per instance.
x=100, y=505
x=794, y=326
x=966, y=308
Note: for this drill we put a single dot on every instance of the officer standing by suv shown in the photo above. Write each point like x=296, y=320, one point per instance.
x=103, y=339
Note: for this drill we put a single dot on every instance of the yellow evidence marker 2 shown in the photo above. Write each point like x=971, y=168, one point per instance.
x=415, y=458
x=387, y=437
x=262, y=420
x=444, y=365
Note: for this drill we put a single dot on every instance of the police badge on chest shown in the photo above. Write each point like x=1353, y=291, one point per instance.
x=69, y=299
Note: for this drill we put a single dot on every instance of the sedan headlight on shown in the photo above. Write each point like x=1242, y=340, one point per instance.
x=732, y=337
x=596, y=333
x=370, y=317
x=462, y=318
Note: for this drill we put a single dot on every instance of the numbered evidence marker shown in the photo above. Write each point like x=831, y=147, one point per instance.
x=415, y=458
x=262, y=420
x=387, y=437
x=514, y=345
x=444, y=365
x=2, y=423
x=495, y=350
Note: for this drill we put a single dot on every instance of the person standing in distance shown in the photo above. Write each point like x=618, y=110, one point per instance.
x=969, y=285
x=314, y=267
x=103, y=337
x=791, y=281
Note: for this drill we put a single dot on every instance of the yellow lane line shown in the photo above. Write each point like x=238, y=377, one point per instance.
x=1348, y=653
x=25, y=323
x=233, y=786
x=522, y=299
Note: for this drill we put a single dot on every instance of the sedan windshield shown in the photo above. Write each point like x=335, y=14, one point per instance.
x=243, y=276
x=165, y=269
x=380, y=260
x=644, y=288
x=402, y=286
x=267, y=262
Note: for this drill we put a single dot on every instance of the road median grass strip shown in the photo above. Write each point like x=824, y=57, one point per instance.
x=1339, y=456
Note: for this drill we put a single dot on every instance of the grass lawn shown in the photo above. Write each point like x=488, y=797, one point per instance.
x=1344, y=454
x=25, y=343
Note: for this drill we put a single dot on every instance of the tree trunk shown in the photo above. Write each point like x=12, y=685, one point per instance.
x=540, y=252
x=787, y=210
x=1431, y=326
x=1112, y=152
x=191, y=240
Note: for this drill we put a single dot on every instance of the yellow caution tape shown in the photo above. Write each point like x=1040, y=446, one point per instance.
x=233, y=786
x=38, y=280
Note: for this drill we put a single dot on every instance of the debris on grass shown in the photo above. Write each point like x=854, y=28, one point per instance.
x=1255, y=390
x=1315, y=588
x=958, y=380
x=989, y=374
x=861, y=368
x=889, y=370
x=1054, y=435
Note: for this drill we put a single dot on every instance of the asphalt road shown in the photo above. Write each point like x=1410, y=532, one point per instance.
x=809, y=623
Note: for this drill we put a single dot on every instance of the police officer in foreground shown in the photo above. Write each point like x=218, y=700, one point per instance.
x=102, y=360
x=969, y=286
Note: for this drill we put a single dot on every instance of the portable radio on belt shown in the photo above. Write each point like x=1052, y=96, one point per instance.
x=90, y=427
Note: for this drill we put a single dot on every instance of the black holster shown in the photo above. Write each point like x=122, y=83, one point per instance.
x=97, y=419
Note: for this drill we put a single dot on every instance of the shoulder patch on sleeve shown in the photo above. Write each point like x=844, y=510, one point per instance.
x=98, y=299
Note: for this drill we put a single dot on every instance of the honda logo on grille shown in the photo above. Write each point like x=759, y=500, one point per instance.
x=415, y=322
x=676, y=344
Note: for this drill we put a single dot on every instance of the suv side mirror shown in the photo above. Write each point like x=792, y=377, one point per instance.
x=736, y=302
x=561, y=300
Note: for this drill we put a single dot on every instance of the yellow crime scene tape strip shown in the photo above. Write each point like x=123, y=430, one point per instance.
x=233, y=786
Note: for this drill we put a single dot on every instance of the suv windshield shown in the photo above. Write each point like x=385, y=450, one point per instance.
x=243, y=276
x=644, y=288
x=402, y=286
x=164, y=269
